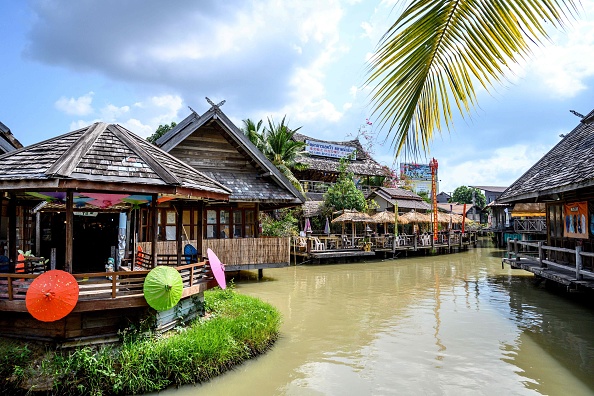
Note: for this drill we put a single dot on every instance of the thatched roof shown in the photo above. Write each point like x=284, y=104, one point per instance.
x=566, y=167
x=384, y=217
x=531, y=209
x=414, y=217
x=103, y=157
x=353, y=216
x=364, y=164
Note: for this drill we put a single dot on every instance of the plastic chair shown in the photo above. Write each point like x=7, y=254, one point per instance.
x=318, y=245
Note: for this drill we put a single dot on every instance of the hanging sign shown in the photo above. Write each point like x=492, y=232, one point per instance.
x=328, y=149
x=86, y=214
x=575, y=220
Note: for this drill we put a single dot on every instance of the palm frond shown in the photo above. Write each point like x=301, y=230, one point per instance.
x=436, y=52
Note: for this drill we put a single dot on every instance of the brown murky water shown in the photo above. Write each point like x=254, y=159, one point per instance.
x=446, y=325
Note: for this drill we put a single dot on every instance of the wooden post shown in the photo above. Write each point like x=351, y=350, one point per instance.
x=415, y=242
x=12, y=232
x=540, y=253
x=450, y=241
x=69, y=231
x=155, y=224
x=191, y=275
x=9, y=279
x=38, y=234
x=433, y=237
x=578, y=263
x=260, y=274
x=509, y=248
x=178, y=230
x=461, y=238
x=517, y=250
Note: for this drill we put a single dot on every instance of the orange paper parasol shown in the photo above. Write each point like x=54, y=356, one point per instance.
x=52, y=296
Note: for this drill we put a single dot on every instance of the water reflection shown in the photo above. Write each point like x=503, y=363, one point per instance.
x=428, y=325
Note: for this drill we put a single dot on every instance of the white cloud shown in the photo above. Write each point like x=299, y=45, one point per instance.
x=80, y=106
x=111, y=113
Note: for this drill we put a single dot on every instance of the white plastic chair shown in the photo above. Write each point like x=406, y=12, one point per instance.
x=318, y=245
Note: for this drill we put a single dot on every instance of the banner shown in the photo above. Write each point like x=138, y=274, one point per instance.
x=328, y=149
x=576, y=215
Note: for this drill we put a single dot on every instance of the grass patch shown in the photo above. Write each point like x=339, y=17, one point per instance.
x=238, y=327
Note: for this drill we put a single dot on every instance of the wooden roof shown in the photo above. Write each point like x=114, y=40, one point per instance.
x=457, y=208
x=405, y=199
x=566, y=167
x=7, y=140
x=495, y=189
x=258, y=181
x=363, y=165
x=103, y=157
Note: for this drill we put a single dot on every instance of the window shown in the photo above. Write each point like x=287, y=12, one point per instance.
x=230, y=223
x=191, y=223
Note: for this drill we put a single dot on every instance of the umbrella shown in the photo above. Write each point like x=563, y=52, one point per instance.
x=307, y=225
x=353, y=216
x=52, y=296
x=327, y=227
x=217, y=267
x=163, y=288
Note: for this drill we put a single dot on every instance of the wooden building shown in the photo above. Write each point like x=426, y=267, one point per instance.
x=213, y=145
x=406, y=201
x=563, y=179
x=7, y=140
x=83, y=197
x=322, y=158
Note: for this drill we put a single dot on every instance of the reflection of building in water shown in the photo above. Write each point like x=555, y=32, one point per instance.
x=562, y=329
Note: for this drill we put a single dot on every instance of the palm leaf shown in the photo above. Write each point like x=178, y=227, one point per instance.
x=436, y=52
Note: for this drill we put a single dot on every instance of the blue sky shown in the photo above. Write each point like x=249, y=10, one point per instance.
x=67, y=64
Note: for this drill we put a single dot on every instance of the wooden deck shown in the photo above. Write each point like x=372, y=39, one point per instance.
x=534, y=257
x=105, y=306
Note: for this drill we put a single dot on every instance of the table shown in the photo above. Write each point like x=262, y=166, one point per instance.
x=331, y=242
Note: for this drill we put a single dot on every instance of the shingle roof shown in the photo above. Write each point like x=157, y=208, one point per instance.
x=100, y=153
x=566, y=167
x=403, y=198
x=495, y=189
x=363, y=165
x=268, y=185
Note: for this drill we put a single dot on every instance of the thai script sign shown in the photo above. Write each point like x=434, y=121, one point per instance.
x=415, y=171
x=576, y=217
x=328, y=149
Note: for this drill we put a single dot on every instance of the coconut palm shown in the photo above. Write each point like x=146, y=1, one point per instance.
x=282, y=150
x=438, y=50
x=253, y=132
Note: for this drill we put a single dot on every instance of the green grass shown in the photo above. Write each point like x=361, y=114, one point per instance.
x=237, y=328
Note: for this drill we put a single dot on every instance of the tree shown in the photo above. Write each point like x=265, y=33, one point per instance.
x=463, y=194
x=437, y=50
x=254, y=133
x=161, y=130
x=344, y=193
x=425, y=196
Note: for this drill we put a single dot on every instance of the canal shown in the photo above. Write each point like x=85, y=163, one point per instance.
x=453, y=324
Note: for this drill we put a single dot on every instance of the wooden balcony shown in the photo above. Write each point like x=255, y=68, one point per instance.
x=530, y=225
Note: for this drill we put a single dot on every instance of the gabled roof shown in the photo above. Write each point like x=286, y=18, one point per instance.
x=567, y=166
x=258, y=187
x=364, y=164
x=99, y=155
x=7, y=140
x=457, y=208
x=401, y=197
x=495, y=189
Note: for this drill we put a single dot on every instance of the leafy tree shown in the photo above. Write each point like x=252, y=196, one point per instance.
x=425, y=196
x=282, y=225
x=344, y=193
x=463, y=194
x=437, y=50
x=161, y=130
x=254, y=132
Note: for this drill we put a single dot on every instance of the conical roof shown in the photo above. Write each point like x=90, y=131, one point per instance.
x=100, y=155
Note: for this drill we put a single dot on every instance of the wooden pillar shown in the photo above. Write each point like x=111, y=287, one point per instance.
x=257, y=231
x=69, y=232
x=12, y=232
x=260, y=274
x=38, y=234
x=179, y=213
x=516, y=250
x=540, y=253
x=578, y=263
x=200, y=223
x=155, y=224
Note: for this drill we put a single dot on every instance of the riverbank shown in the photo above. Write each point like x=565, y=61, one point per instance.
x=237, y=328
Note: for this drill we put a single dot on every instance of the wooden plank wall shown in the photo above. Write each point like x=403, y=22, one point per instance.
x=250, y=250
x=208, y=149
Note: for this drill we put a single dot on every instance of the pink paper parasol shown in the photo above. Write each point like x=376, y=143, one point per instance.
x=217, y=268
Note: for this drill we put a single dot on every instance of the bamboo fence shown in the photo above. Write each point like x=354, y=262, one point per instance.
x=244, y=251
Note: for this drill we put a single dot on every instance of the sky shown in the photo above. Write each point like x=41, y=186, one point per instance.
x=66, y=64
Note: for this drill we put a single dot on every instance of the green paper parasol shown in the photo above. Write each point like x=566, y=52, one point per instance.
x=163, y=288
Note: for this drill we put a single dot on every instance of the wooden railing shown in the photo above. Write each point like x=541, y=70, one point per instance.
x=248, y=251
x=530, y=225
x=107, y=285
x=540, y=252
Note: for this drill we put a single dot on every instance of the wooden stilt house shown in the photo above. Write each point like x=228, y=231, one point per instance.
x=563, y=179
x=213, y=145
x=76, y=200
